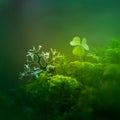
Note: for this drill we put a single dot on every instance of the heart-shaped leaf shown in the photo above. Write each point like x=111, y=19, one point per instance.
x=78, y=50
x=84, y=44
x=75, y=41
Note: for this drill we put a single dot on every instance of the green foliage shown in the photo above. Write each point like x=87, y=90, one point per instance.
x=74, y=90
x=107, y=99
x=64, y=92
x=111, y=72
x=113, y=55
x=36, y=87
x=114, y=43
x=91, y=57
x=37, y=93
x=53, y=95
x=85, y=72
x=80, y=46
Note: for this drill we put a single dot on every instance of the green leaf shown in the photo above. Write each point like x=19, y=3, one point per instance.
x=75, y=41
x=78, y=50
x=84, y=44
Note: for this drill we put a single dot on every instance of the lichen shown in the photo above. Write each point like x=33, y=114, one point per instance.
x=39, y=61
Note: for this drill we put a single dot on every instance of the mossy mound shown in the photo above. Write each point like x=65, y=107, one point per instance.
x=86, y=89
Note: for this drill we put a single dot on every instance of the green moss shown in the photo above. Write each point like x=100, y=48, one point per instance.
x=64, y=91
x=113, y=55
x=74, y=89
x=87, y=73
x=112, y=72
x=90, y=57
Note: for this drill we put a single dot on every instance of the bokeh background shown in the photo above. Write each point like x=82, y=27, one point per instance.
x=52, y=24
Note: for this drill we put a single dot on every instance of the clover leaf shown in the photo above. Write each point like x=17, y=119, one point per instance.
x=79, y=46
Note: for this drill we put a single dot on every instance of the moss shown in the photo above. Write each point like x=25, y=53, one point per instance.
x=92, y=58
x=87, y=73
x=113, y=55
x=75, y=90
x=64, y=88
x=112, y=72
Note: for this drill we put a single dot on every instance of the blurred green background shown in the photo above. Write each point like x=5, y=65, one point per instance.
x=51, y=23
